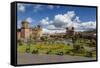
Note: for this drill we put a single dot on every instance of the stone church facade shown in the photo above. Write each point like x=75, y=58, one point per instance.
x=70, y=31
x=25, y=32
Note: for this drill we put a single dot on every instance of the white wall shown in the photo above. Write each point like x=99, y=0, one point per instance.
x=5, y=34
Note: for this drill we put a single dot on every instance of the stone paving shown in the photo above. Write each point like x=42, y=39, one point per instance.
x=27, y=58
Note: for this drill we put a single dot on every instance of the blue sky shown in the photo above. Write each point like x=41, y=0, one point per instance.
x=55, y=15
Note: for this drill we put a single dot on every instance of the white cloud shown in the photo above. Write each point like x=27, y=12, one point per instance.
x=47, y=31
x=64, y=20
x=70, y=14
x=19, y=24
x=44, y=21
x=51, y=27
x=29, y=19
x=88, y=25
x=20, y=7
x=61, y=19
x=69, y=19
x=77, y=19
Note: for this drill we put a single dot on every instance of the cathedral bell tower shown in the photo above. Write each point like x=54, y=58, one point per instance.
x=25, y=25
x=25, y=30
x=70, y=31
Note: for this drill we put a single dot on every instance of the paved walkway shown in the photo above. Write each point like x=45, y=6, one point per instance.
x=26, y=58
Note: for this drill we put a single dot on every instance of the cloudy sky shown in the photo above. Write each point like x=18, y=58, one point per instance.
x=55, y=18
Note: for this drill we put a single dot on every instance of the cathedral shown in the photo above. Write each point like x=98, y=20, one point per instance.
x=70, y=31
x=26, y=32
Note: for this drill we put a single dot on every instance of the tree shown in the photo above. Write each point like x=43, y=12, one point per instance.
x=20, y=42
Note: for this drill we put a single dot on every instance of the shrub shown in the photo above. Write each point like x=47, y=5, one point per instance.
x=67, y=51
x=48, y=52
x=88, y=54
x=20, y=42
x=71, y=52
x=78, y=49
x=35, y=51
x=59, y=53
x=44, y=38
x=27, y=50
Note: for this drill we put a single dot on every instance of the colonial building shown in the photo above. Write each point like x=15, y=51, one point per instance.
x=36, y=33
x=25, y=32
x=70, y=31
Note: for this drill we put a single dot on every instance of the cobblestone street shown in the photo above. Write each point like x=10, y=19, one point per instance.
x=26, y=58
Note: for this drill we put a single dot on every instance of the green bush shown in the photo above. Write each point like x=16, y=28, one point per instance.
x=48, y=52
x=42, y=48
x=19, y=42
x=21, y=49
x=88, y=54
x=59, y=53
x=27, y=50
x=35, y=51
x=71, y=52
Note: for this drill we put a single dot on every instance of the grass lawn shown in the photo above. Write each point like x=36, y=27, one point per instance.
x=42, y=48
x=54, y=48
